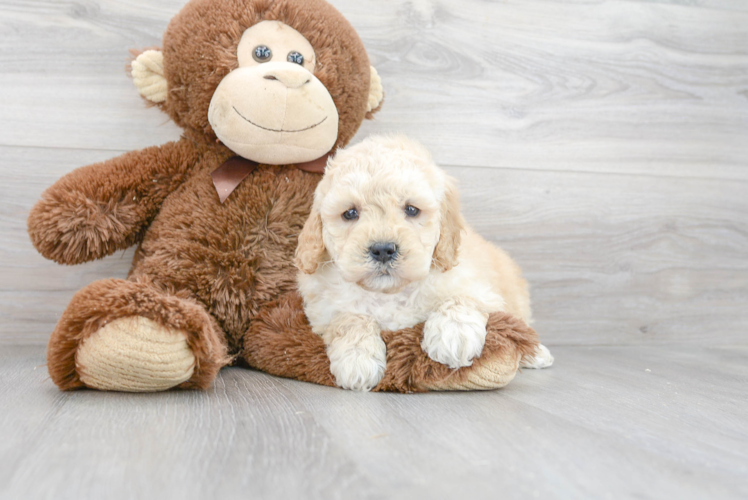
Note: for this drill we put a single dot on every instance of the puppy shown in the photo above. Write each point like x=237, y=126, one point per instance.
x=385, y=248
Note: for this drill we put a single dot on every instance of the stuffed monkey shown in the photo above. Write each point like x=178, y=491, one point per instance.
x=264, y=90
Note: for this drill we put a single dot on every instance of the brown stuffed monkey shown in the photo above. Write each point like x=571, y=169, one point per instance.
x=264, y=90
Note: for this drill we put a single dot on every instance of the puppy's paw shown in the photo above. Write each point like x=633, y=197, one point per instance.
x=357, y=365
x=454, y=336
x=541, y=358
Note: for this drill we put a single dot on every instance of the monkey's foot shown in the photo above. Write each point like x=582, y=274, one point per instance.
x=133, y=336
x=135, y=354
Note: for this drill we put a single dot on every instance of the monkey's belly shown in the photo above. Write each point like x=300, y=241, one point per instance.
x=232, y=257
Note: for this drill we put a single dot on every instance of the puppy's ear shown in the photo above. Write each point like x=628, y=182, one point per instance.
x=452, y=224
x=311, y=249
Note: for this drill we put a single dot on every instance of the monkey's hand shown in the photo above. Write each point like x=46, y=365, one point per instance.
x=96, y=210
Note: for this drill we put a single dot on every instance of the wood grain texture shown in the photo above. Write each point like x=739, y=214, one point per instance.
x=601, y=143
x=611, y=258
x=604, y=422
x=597, y=86
x=623, y=86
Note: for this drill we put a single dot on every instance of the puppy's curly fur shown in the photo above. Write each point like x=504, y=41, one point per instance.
x=386, y=195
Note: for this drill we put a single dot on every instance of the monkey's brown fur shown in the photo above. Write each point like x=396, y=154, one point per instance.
x=216, y=271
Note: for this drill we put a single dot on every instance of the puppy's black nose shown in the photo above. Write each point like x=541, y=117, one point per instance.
x=383, y=252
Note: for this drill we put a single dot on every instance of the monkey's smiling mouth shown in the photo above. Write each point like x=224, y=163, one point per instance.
x=277, y=129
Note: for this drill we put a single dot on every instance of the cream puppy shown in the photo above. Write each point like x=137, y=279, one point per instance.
x=385, y=248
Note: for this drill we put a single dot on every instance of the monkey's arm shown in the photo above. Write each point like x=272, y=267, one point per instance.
x=96, y=210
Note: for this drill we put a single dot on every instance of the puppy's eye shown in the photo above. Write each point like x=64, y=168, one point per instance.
x=262, y=53
x=412, y=211
x=351, y=214
x=295, y=57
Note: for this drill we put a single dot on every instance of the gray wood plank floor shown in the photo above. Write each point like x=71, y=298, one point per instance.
x=604, y=422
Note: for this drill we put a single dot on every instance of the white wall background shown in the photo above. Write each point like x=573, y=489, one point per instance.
x=603, y=143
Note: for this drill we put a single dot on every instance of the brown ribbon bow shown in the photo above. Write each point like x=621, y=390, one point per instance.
x=232, y=172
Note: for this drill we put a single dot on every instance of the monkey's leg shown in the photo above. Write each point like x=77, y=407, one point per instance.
x=281, y=342
x=131, y=336
x=508, y=340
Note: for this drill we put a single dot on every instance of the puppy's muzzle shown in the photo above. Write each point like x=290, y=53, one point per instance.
x=383, y=252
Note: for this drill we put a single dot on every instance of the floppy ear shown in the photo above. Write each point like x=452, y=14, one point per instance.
x=148, y=76
x=376, y=93
x=311, y=249
x=452, y=224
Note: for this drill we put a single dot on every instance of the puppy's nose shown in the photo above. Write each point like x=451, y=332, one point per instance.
x=383, y=252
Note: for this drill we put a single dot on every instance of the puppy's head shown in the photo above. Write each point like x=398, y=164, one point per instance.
x=385, y=214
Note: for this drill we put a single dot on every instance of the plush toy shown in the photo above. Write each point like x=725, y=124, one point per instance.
x=265, y=90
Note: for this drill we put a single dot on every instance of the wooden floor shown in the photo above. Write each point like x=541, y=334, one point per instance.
x=604, y=422
x=604, y=143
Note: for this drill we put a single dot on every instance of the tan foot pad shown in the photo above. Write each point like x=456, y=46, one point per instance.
x=134, y=354
x=488, y=376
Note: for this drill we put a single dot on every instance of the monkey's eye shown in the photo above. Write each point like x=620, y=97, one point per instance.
x=412, y=211
x=262, y=53
x=351, y=214
x=295, y=57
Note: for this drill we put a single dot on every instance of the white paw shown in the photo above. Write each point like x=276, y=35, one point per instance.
x=542, y=358
x=454, y=337
x=359, y=365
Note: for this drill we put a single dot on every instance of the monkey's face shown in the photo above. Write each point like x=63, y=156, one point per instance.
x=272, y=109
x=278, y=82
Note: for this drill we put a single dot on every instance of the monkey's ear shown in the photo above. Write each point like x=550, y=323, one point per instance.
x=376, y=93
x=148, y=75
